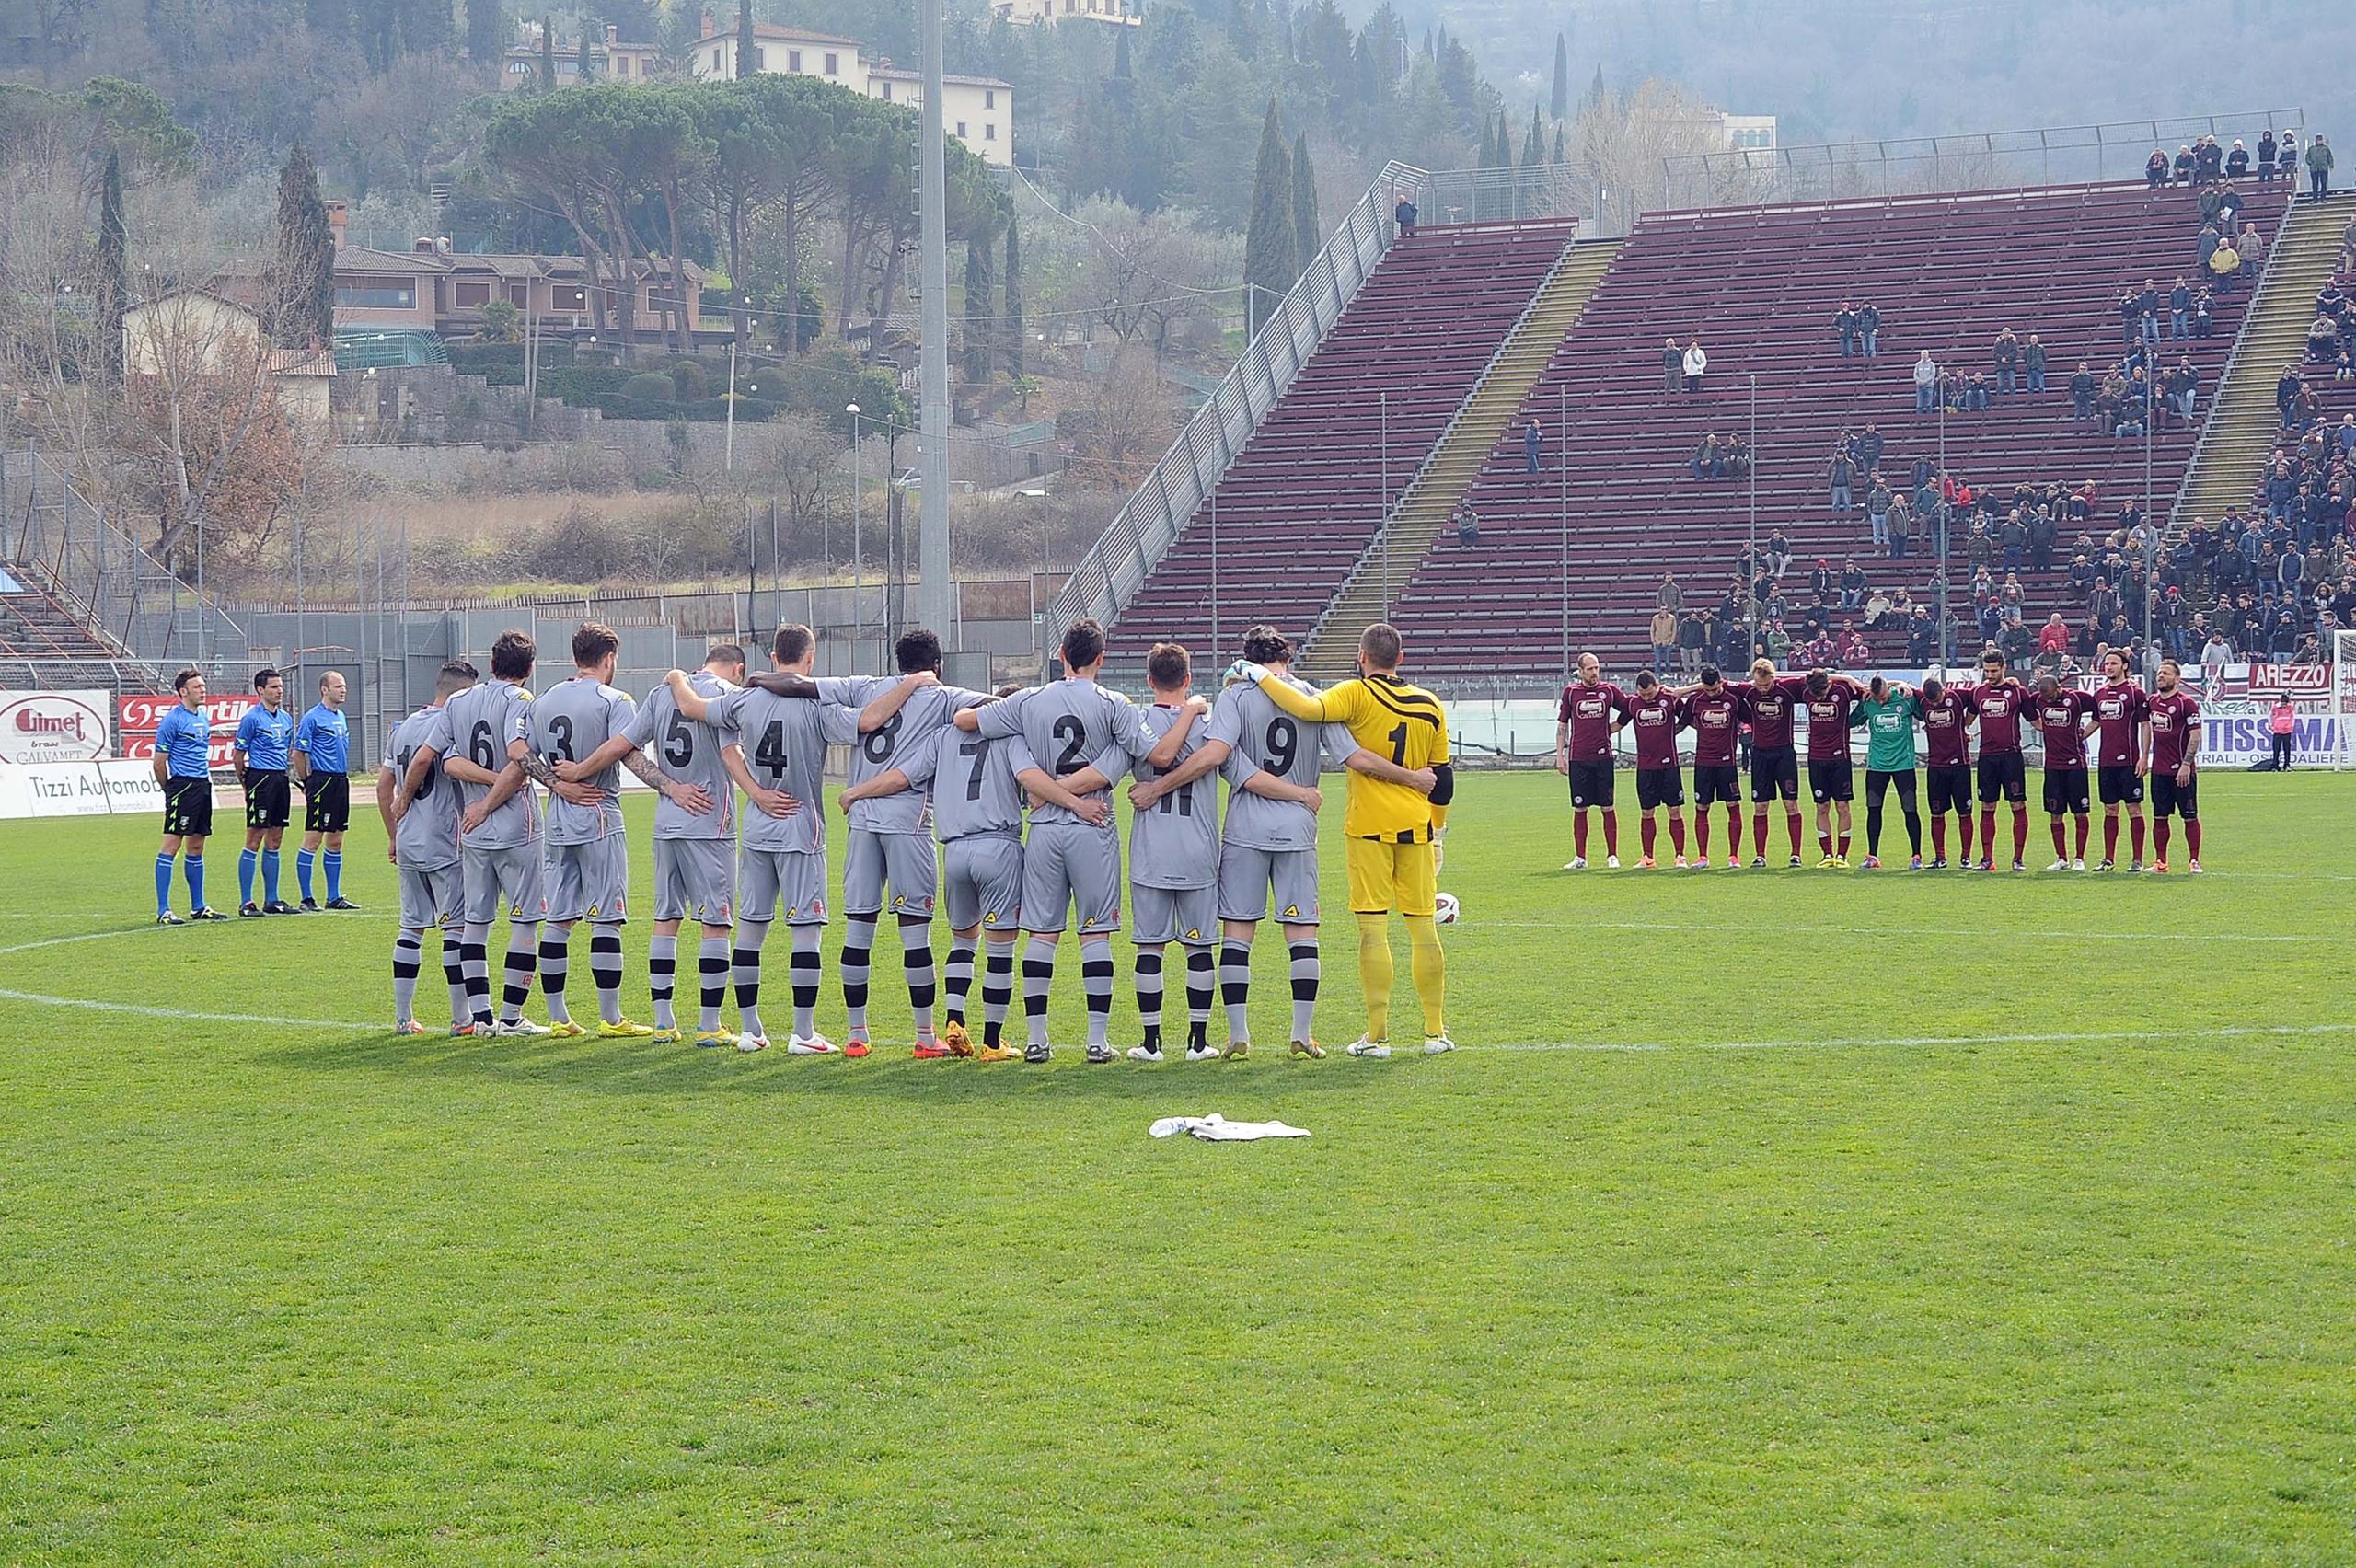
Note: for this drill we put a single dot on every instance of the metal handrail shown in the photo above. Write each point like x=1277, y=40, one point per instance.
x=1153, y=517
x=1371, y=556
x=2232, y=358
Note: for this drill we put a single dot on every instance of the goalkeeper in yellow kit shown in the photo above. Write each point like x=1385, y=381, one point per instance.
x=1394, y=829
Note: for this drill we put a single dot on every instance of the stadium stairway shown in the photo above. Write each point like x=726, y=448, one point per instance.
x=2231, y=460
x=1297, y=507
x=1480, y=425
x=1760, y=285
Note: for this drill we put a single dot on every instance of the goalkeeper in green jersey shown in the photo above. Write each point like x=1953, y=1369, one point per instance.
x=1887, y=715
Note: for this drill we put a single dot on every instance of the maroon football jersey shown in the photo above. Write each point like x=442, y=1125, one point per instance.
x=1716, y=719
x=2120, y=711
x=2057, y=720
x=1657, y=719
x=2176, y=726
x=1770, y=712
x=1946, y=728
x=2000, y=707
x=1588, y=710
x=1828, y=722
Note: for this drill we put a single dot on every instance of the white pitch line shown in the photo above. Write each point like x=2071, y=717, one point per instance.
x=2076, y=933
x=180, y=1013
x=78, y=937
x=2071, y=1037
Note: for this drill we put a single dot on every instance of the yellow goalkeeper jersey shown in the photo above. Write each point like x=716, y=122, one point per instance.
x=1390, y=718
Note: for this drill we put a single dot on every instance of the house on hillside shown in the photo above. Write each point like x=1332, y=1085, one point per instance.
x=1040, y=12
x=194, y=334
x=609, y=61
x=977, y=110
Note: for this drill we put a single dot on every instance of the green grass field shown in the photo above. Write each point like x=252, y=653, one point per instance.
x=1790, y=1217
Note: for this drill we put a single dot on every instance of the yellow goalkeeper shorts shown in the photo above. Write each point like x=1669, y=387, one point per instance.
x=1386, y=876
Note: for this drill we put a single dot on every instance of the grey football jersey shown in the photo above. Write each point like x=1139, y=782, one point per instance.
x=784, y=741
x=1175, y=843
x=483, y=720
x=1261, y=737
x=972, y=780
x=571, y=720
x=905, y=735
x=1067, y=726
x=689, y=750
x=427, y=838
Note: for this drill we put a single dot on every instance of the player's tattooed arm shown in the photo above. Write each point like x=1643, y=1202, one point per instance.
x=768, y=802
x=1374, y=765
x=541, y=772
x=693, y=799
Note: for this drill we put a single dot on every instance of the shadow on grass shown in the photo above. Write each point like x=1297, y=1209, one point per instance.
x=616, y=1067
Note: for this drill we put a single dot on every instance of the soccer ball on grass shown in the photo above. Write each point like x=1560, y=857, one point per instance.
x=1444, y=908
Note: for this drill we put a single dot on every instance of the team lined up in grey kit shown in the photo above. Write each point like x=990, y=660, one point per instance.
x=928, y=761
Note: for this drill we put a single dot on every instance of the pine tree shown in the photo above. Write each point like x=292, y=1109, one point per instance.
x=1560, y=103
x=486, y=37
x=1270, y=268
x=1012, y=341
x=547, y=53
x=114, y=267
x=1308, y=236
x=303, y=284
x=745, y=45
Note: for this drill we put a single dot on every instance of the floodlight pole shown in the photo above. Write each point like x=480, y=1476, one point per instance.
x=1562, y=439
x=1750, y=589
x=1945, y=516
x=933, y=603
x=1383, y=517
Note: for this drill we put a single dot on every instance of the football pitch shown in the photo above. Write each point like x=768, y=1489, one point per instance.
x=1761, y=1217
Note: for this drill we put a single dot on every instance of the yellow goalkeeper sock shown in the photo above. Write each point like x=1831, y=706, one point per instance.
x=1429, y=965
x=1374, y=974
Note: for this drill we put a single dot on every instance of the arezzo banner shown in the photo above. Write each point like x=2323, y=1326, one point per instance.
x=54, y=726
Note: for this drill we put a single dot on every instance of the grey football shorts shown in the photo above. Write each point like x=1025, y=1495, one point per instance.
x=905, y=860
x=768, y=878
x=1158, y=915
x=590, y=882
x=1067, y=865
x=433, y=898
x=1246, y=875
x=516, y=877
x=695, y=879
x=982, y=882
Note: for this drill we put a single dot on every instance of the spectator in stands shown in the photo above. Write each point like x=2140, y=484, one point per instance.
x=1468, y=523
x=2202, y=249
x=2033, y=364
x=1664, y=638
x=2180, y=309
x=1844, y=327
x=2237, y=162
x=1735, y=457
x=2147, y=312
x=1779, y=554
x=1843, y=475
x=1976, y=396
x=2155, y=168
x=2215, y=654
x=2184, y=165
x=1852, y=650
x=1533, y=438
x=2319, y=162
x=1694, y=634
x=2286, y=162
x=1822, y=581
x=2252, y=244
x=2224, y=263
x=2083, y=387
x=1707, y=464
x=2184, y=387
x=2286, y=393
x=1696, y=362
x=1870, y=446
x=1869, y=328
x=2266, y=157
x=2204, y=312
x=2013, y=535
x=2007, y=357
x=1403, y=215
x=1670, y=596
x=1672, y=366
x=1853, y=585
x=1878, y=499
x=1926, y=383
x=2053, y=636
x=1901, y=528
x=2323, y=340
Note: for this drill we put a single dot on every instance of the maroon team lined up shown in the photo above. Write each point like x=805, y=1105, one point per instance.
x=2136, y=735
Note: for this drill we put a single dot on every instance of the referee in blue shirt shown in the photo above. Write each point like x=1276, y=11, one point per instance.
x=264, y=736
x=323, y=767
x=183, y=749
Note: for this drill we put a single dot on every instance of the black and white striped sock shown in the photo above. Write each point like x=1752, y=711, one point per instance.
x=1306, y=971
x=712, y=972
x=522, y=941
x=1148, y=984
x=662, y=962
x=474, y=956
x=556, y=963
x=606, y=970
x=1202, y=989
x=1096, y=978
x=409, y=952
x=454, y=974
x=997, y=990
x=805, y=968
x=1235, y=987
x=1038, y=979
x=958, y=973
x=745, y=971
x=916, y=959
x=859, y=946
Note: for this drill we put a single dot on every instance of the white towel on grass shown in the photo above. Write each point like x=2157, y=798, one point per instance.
x=1216, y=1128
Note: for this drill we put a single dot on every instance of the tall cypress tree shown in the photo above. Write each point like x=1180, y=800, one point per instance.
x=486, y=38
x=1595, y=88
x=585, y=65
x=1561, y=102
x=1012, y=341
x=745, y=37
x=114, y=269
x=1558, y=141
x=1533, y=141
x=1308, y=233
x=1270, y=268
x=302, y=285
x=1121, y=57
x=547, y=53
x=979, y=311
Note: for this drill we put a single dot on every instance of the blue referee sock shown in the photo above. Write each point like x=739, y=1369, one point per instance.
x=270, y=875
x=302, y=872
x=248, y=862
x=193, y=867
x=163, y=885
x=334, y=861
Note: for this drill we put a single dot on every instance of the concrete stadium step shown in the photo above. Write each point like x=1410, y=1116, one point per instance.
x=2243, y=419
x=1430, y=501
